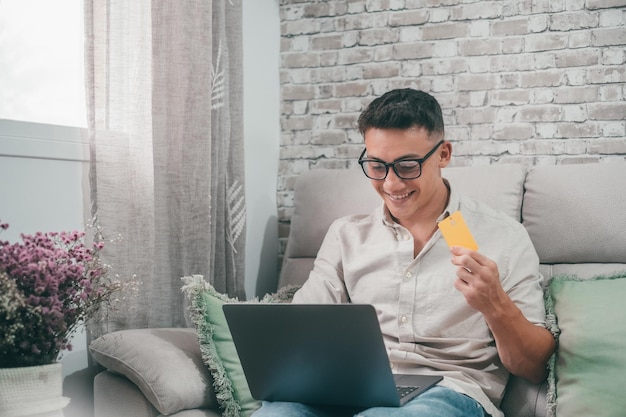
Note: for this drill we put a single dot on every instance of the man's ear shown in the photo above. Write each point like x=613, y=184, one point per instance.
x=445, y=154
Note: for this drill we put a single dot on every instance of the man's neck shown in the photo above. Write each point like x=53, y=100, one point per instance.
x=424, y=227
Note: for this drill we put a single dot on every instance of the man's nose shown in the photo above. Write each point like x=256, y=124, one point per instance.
x=392, y=177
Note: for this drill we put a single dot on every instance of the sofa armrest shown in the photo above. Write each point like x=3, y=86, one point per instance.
x=523, y=399
x=115, y=395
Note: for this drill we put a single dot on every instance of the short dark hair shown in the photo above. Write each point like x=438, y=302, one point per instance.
x=402, y=109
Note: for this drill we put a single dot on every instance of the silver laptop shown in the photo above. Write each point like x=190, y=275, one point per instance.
x=319, y=354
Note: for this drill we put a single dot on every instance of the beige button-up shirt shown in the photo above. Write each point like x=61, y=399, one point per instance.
x=427, y=325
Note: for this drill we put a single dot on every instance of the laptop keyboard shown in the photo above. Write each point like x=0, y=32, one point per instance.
x=403, y=391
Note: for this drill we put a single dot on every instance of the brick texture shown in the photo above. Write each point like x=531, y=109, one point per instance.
x=533, y=82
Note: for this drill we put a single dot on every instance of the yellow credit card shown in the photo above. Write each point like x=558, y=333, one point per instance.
x=456, y=233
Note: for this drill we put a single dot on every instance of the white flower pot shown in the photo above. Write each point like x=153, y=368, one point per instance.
x=32, y=391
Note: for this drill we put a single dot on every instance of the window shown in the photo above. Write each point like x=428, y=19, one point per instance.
x=41, y=62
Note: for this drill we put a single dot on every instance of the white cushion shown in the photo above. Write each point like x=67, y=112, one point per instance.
x=165, y=364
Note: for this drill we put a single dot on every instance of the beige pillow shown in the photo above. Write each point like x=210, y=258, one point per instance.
x=180, y=380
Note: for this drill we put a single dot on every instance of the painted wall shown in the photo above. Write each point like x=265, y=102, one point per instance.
x=261, y=47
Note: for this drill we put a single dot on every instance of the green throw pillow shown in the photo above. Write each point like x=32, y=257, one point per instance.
x=216, y=343
x=587, y=371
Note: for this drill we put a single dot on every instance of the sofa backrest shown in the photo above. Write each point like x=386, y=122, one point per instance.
x=575, y=214
x=576, y=217
x=321, y=196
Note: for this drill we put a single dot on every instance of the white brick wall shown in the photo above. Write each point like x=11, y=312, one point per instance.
x=530, y=81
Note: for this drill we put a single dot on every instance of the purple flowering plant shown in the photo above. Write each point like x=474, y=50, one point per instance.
x=50, y=283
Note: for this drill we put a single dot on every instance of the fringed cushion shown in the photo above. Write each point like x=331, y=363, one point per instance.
x=217, y=347
x=587, y=370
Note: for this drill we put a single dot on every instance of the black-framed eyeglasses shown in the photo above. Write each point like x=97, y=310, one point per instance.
x=406, y=169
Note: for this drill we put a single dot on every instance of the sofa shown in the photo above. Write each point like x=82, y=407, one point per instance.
x=575, y=215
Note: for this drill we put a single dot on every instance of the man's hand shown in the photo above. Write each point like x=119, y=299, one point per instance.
x=478, y=279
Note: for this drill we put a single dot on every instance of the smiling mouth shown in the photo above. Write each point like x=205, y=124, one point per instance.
x=399, y=197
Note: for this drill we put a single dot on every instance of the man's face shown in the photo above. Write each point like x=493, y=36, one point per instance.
x=408, y=200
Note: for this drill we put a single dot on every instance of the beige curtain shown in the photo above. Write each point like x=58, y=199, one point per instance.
x=164, y=83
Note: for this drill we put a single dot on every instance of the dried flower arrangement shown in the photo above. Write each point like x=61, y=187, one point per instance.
x=51, y=283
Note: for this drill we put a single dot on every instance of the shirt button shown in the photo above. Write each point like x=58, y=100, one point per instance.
x=409, y=274
x=403, y=319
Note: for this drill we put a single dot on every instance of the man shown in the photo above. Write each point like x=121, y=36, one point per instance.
x=471, y=316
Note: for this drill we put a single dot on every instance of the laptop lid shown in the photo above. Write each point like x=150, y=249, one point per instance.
x=323, y=354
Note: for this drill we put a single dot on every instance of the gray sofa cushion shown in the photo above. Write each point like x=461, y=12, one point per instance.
x=500, y=186
x=321, y=196
x=523, y=398
x=584, y=224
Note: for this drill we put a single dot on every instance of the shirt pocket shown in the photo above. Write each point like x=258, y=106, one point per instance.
x=449, y=314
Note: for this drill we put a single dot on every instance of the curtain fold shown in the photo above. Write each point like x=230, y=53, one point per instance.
x=164, y=93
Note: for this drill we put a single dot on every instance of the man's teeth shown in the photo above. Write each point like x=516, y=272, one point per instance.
x=398, y=196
